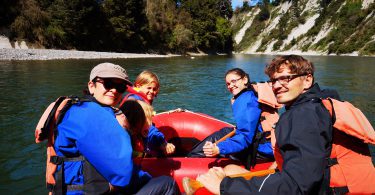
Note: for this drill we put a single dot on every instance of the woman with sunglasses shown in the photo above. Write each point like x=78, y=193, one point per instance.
x=98, y=148
x=246, y=113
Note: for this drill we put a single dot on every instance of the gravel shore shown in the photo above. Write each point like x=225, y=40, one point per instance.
x=50, y=54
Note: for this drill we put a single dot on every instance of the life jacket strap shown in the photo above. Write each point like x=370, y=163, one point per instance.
x=74, y=187
x=332, y=161
x=51, y=187
x=336, y=190
x=259, y=138
x=340, y=190
x=60, y=187
x=266, y=134
x=58, y=160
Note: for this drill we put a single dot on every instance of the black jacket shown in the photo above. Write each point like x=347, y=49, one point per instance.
x=304, y=137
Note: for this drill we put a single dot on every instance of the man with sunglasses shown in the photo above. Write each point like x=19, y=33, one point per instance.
x=303, y=135
x=95, y=151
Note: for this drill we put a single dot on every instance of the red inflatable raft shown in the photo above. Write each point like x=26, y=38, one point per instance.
x=184, y=130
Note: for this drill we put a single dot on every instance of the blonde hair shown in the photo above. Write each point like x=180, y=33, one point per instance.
x=148, y=111
x=146, y=77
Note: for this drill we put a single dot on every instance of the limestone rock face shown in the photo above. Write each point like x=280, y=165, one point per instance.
x=4, y=43
x=343, y=27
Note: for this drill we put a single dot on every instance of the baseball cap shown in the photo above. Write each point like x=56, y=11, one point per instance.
x=109, y=70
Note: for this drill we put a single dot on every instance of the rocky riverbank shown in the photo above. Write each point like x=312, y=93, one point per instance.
x=50, y=54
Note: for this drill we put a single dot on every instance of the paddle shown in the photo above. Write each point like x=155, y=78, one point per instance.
x=230, y=134
x=192, y=185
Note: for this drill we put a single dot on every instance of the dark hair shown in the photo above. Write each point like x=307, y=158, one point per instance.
x=297, y=65
x=135, y=116
x=239, y=72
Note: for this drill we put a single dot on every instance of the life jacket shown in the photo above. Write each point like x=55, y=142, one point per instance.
x=350, y=165
x=135, y=91
x=268, y=117
x=268, y=105
x=46, y=129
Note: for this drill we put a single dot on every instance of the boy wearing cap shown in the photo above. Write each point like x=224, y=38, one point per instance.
x=100, y=148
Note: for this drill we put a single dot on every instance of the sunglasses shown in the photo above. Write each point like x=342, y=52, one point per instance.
x=110, y=84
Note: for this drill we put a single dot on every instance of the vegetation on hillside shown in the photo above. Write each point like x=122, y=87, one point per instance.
x=341, y=27
x=180, y=26
x=158, y=26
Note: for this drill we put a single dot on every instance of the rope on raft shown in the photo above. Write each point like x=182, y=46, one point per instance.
x=202, y=115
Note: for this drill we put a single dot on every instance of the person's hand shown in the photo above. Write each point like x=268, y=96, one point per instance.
x=273, y=166
x=212, y=179
x=210, y=149
x=169, y=148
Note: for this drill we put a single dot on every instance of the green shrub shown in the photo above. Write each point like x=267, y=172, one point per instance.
x=369, y=49
x=277, y=45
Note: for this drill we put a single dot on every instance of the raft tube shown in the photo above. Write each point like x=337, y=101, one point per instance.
x=184, y=130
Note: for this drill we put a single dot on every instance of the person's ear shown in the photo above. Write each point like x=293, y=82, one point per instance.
x=122, y=120
x=91, y=87
x=308, y=82
x=245, y=80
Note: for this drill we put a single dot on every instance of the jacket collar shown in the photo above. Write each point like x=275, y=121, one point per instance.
x=241, y=92
x=313, y=93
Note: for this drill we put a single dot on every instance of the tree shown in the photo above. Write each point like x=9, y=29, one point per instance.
x=204, y=14
x=295, y=10
x=181, y=40
x=245, y=5
x=264, y=13
x=224, y=34
x=128, y=23
x=81, y=24
x=9, y=11
x=275, y=2
x=30, y=23
x=324, y=3
x=226, y=10
x=162, y=18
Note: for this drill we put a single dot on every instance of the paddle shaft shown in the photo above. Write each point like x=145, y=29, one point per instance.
x=249, y=175
x=230, y=134
x=195, y=185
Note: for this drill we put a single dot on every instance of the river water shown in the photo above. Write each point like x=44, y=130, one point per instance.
x=27, y=87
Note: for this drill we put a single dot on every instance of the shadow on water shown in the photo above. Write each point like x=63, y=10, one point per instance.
x=27, y=87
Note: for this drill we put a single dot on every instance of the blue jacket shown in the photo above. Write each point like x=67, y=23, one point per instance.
x=91, y=130
x=154, y=140
x=246, y=113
